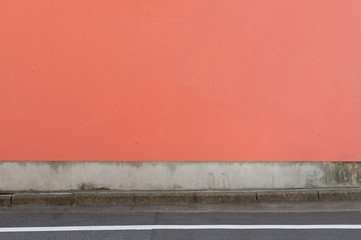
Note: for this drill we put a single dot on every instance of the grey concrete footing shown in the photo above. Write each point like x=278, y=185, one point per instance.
x=177, y=197
x=48, y=176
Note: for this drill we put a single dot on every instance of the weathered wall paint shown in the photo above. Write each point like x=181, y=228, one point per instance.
x=200, y=80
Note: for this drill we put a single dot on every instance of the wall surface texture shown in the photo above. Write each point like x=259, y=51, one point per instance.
x=180, y=80
x=50, y=176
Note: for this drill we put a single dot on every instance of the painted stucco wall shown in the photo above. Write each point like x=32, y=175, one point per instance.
x=179, y=95
x=179, y=80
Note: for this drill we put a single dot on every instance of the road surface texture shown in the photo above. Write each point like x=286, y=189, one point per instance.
x=253, y=221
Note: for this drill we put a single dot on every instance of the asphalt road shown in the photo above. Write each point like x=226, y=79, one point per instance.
x=48, y=219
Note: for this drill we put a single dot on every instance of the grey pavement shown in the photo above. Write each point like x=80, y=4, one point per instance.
x=269, y=214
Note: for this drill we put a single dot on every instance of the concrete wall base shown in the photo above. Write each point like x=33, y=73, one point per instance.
x=54, y=176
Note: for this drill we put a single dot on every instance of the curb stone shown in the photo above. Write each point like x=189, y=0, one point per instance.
x=225, y=197
x=103, y=198
x=5, y=200
x=164, y=198
x=287, y=196
x=340, y=195
x=43, y=199
x=178, y=197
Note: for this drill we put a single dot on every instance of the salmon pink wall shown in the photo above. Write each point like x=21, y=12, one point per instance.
x=180, y=80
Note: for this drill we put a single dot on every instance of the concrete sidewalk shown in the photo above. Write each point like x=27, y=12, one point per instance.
x=78, y=198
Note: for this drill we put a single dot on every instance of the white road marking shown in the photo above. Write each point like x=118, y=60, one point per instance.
x=174, y=227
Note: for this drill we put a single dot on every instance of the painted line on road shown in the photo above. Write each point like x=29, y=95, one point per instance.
x=174, y=227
